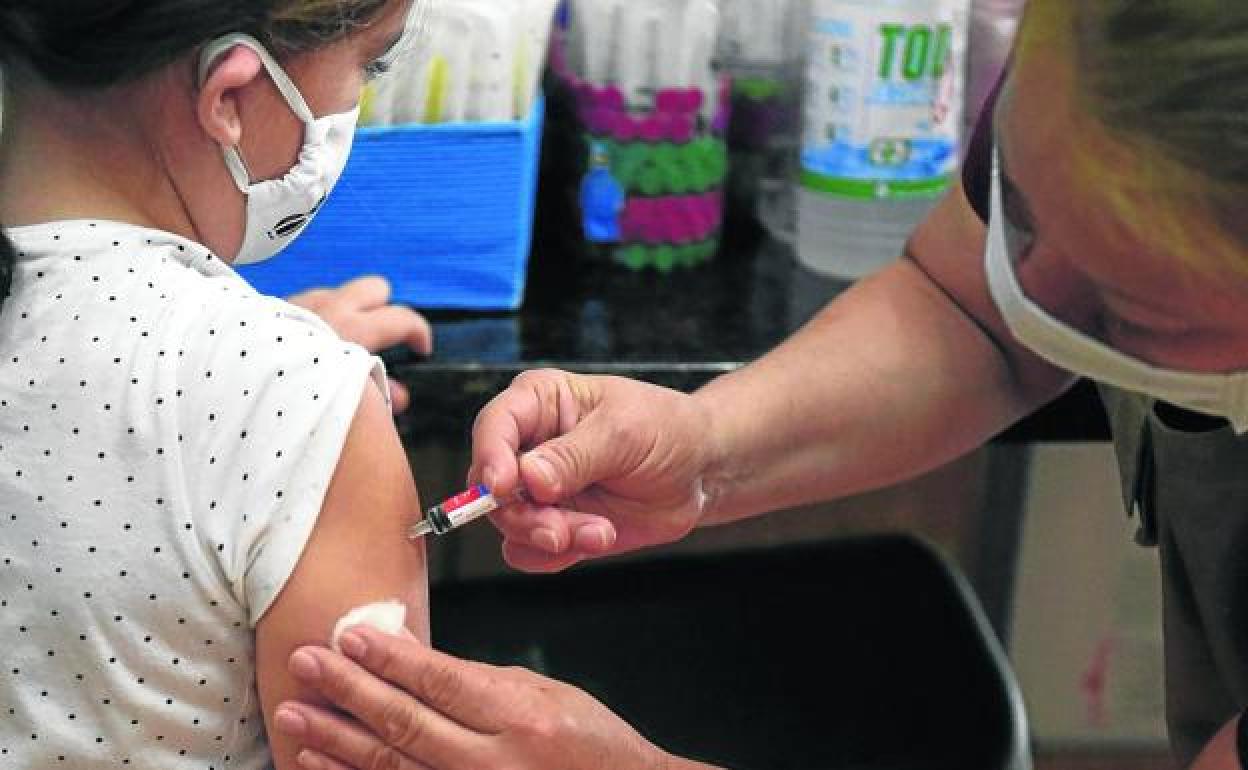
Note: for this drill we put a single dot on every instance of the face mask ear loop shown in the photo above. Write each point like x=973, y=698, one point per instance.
x=215, y=50
x=238, y=169
x=208, y=59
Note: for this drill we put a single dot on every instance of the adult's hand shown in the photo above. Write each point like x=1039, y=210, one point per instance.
x=360, y=312
x=403, y=705
x=610, y=465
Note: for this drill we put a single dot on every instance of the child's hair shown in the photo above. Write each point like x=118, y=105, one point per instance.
x=96, y=44
x=1166, y=81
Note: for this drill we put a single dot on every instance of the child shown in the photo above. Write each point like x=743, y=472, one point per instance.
x=194, y=479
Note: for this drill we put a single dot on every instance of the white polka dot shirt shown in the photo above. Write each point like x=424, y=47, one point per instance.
x=167, y=436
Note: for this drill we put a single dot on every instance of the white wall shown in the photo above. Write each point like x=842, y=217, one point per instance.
x=1087, y=602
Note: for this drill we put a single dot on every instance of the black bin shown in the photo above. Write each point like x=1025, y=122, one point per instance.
x=861, y=654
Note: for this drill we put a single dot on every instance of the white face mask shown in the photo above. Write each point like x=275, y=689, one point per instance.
x=1219, y=395
x=278, y=210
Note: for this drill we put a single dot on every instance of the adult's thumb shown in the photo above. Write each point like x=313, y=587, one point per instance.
x=565, y=466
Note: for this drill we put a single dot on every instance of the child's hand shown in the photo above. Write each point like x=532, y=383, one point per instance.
x=360, y=312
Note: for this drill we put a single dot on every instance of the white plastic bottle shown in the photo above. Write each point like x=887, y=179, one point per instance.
x=883, y=123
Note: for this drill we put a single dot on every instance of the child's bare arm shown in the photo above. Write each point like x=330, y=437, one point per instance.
x=357, y=554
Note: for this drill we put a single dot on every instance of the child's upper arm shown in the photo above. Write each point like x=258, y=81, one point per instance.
x=357, y=554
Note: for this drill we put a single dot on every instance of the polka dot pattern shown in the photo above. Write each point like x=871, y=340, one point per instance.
x=166, y=440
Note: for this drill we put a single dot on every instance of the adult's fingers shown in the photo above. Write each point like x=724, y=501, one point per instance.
x=332, y=742
x=314, y=760
x=471, y=694
x=591, y=451
x=399, y=720
x=555, y=531
x=588, y=537
x=367, y=293
x=533, y=409
x=526, y=558
x=577, y=443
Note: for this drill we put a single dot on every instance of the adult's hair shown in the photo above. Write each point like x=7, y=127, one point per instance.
x=88, y=45
x=1164, y=84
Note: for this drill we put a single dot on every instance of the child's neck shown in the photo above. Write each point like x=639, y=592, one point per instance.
x=64, y=158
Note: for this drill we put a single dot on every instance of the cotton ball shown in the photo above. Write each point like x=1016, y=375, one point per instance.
x=387, y=617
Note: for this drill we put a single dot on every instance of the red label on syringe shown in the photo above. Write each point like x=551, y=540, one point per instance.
x=457, y=511
x=465, y=498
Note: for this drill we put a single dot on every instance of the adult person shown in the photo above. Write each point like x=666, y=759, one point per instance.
x=1097, y=232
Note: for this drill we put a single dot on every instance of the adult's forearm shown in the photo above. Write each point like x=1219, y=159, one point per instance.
x=678, y=763
x=891, y=380
x=1221, y=753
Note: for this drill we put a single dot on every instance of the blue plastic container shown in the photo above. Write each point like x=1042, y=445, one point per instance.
x=444, y=212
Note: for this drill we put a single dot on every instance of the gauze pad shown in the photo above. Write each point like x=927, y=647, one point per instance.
x=386, y=617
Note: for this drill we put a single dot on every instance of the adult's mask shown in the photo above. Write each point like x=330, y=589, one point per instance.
x=278, y=210
x=1219, y=395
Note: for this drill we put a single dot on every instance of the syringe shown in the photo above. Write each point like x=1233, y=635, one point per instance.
x=459, y=510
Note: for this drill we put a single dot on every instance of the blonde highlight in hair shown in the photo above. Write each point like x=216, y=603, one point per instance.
x=1163, y=146
x=299, y=25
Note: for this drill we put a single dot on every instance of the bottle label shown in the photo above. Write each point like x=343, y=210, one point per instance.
x=884, y=97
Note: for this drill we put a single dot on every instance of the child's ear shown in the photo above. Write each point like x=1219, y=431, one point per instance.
x=217, y=103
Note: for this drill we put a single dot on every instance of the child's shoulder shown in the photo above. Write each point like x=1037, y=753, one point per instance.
x=201, y=308
x=111, y=293
x=216, y=314
x=251, y=343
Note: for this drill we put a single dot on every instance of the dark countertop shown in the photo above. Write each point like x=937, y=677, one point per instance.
x=678, y=330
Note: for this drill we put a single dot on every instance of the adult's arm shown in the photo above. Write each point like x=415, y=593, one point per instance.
x=904, y=372
x=1222, y=753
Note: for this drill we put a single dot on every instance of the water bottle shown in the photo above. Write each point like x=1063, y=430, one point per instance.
x=882, y=127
